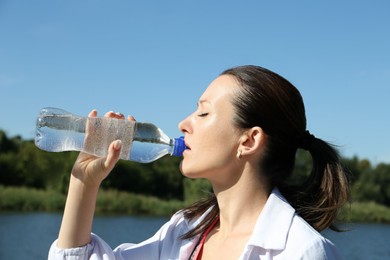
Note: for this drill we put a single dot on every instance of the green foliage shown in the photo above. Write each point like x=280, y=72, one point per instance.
x=374, y=186
x=110, y=201
x=302, y=168
x=357, y=168
x=34, y=179
x=28, y=199
x=195, y=189
x=161, y=178
x=365, y=212
x=8, y=145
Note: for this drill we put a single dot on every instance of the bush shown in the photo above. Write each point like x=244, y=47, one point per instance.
x=367, y=212
x=118, y=202
x=28, y=199
x=108, y=202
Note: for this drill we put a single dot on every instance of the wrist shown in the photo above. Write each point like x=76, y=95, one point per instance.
x=82, y=187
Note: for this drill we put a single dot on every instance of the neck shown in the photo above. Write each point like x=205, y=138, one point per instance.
x=241, y=202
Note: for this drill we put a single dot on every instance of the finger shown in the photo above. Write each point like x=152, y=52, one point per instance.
x=109, y=113
x=90, y=126
x=113, y=155
x=93, y=113
x=119, y=115
x=131, y=118
x=113, y=114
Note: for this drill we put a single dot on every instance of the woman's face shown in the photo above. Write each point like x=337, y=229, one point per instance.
x=209, y=133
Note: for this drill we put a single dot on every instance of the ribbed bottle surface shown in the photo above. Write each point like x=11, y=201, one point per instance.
x=58, y=130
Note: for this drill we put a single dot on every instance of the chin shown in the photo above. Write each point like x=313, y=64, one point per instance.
x=186, y=171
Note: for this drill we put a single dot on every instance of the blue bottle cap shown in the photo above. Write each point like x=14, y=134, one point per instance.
x=179, y=146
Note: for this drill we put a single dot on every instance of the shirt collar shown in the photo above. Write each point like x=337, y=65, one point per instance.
x=272, y=226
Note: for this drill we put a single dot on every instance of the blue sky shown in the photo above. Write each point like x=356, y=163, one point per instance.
x=153, y=59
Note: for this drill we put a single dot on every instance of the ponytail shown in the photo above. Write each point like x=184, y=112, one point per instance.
x=319, y=199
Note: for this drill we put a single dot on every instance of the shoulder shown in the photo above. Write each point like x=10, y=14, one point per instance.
x=287, y=234
x=306, y=243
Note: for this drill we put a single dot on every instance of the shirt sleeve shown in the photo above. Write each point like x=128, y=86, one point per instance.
x=164, y=243
x=98, y=249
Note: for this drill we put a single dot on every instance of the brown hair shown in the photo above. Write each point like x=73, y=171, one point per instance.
x=267, y=100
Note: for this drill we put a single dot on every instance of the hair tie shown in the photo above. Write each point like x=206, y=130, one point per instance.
x=307, y=140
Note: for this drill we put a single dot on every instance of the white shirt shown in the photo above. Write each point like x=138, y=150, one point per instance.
x=279, y=233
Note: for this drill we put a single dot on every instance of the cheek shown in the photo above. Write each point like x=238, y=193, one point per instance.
x=208, y=161
x=213, y=149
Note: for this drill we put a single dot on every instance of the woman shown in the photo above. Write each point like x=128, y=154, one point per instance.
x=243, y=138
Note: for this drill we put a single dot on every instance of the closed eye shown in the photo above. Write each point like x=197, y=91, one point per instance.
x=203, y=114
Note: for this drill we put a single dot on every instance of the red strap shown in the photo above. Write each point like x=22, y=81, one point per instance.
x=199, y=249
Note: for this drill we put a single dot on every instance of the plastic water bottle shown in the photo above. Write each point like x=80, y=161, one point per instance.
x=58, y=130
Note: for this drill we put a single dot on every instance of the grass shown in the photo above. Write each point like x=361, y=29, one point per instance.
x=112, y=201
x=27, y=199
x=108, y=202
x=365, y=212
x=116, y=202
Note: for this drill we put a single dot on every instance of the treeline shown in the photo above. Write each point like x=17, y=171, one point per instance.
x=22, y=164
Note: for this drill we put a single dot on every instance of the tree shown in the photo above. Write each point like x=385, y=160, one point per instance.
x=9, y=145
x=357, y=167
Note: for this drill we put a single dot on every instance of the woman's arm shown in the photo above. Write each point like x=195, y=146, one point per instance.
x=78, y=215
x=87, y=174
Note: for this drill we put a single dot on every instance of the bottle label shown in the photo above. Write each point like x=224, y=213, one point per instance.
x=101, y=131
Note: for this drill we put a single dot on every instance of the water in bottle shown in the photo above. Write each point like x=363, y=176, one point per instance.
x=58, y=130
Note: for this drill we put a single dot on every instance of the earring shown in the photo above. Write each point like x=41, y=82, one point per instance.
x=238, y=154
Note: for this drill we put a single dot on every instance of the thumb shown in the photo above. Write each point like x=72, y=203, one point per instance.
x=114, y=152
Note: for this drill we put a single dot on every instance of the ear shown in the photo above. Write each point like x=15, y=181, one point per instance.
x=252, y=141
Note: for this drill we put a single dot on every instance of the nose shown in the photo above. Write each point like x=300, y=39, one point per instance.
x=184, y=126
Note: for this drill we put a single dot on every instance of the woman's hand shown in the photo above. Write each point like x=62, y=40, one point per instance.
x=87, y=174
x=92, y=170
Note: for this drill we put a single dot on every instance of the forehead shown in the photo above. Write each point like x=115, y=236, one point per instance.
x=221, y=89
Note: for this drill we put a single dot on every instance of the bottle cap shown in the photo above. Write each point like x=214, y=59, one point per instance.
x=179, y=146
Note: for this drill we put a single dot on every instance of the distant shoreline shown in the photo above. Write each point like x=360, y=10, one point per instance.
x=22, y=199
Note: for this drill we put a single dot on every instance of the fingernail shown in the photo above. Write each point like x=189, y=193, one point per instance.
x=117, y=144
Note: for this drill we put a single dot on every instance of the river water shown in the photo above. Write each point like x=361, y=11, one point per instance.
x=29, y=236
